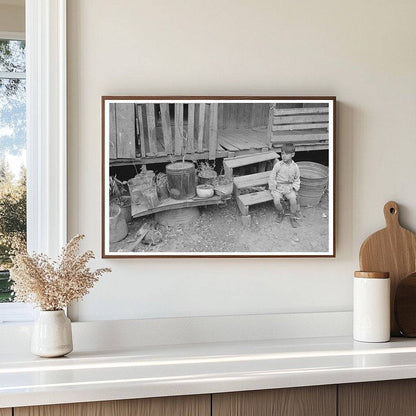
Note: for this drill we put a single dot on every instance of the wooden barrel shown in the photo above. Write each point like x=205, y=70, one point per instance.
x=313, y=182
x=181, y=180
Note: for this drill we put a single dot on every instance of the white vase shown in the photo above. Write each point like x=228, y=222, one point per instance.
x=52, y=334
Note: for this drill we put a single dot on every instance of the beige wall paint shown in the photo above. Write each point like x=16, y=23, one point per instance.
x=362, y=52
x=12, y=18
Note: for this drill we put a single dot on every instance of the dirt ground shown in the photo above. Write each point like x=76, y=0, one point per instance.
x=219, y=229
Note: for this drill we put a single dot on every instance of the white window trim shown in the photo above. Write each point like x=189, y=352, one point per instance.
x=46, y=125
x=12, y=35
x=46, y=133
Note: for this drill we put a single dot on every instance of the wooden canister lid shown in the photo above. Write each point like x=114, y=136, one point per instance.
x=372, y=275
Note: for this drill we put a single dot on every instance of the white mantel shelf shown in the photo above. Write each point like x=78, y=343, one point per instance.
x=151, y=371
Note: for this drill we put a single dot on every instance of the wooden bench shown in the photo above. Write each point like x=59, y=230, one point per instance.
x=300, y=126
x=168, y=204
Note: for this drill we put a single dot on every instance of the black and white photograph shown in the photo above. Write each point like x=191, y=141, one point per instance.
x=218, y=176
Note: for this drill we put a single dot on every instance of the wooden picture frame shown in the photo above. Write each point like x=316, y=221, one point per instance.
x=239, y=139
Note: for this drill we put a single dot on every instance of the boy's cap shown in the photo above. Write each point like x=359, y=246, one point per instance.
x=288, y=148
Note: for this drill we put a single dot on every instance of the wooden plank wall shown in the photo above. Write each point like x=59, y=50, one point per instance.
x=122, y=131
x=193, y=129
x=147, y=130
x=113, y=132
x=154, y=130
x=126, y=135
x=244, y=115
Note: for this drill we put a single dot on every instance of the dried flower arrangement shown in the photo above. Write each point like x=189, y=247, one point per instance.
x=53, y=285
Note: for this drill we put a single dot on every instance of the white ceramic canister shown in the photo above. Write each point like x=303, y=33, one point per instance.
x=371, y=313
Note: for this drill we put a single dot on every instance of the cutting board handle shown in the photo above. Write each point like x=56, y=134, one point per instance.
x=391, y=214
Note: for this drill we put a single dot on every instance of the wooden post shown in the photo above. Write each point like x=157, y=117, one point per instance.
x=179, y=129
x=201, y=122
x=113, y=132
x=270, y=126
x=191, y=126
x=213, y=131
x=125, y=122
x=221, y=116
x=139, y=110
x=151, y=127
x=166, y=127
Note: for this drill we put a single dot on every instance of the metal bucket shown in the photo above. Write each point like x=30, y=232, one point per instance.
x=181, y=180
x=118, y=225
x=313, y=183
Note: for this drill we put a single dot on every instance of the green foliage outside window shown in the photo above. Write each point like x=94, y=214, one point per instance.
x=12, y=223
x=12, y=145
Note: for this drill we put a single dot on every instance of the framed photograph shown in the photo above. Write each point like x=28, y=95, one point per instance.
x=218, y=176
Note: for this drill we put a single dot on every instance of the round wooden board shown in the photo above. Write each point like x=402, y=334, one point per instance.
x=405, y=306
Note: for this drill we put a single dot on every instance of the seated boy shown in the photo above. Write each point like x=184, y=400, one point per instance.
x=284, y=181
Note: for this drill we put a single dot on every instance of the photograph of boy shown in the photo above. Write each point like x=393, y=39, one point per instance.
x=218, y=177
x=284, y=182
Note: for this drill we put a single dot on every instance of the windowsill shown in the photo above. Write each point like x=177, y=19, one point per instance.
x=16, y=313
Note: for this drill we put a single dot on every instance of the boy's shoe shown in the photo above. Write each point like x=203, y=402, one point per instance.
x=294, y=222
x=280, y=215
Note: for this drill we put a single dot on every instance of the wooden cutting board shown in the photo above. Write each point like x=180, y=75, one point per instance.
x=393, y=250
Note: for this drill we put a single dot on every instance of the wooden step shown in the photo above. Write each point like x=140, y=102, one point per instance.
x=255, y=198
x=245, y=201
x=236, y=162
x=256, y=179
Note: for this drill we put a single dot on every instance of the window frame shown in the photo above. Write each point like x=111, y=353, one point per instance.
x=46, y=137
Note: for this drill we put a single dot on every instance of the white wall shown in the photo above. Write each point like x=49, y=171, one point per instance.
x=361, y=51
x=12, y=18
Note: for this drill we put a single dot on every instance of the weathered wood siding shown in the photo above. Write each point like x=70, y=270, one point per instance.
x=243, y=115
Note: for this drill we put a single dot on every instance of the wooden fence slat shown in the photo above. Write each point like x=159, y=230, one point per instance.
x=190, y=148
x=125, y=121
x=301, y=118
x=307, y=126
x=179, y=145
x=166, y=127
x=293, y=111
x=139, y=110
x=113, y=131
x=151, y=128
x=270, y=126
x=213, y=131
x=201, y=122
x=232, y=115
x=205, y=143
x=220, y=115
x=246, y=116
